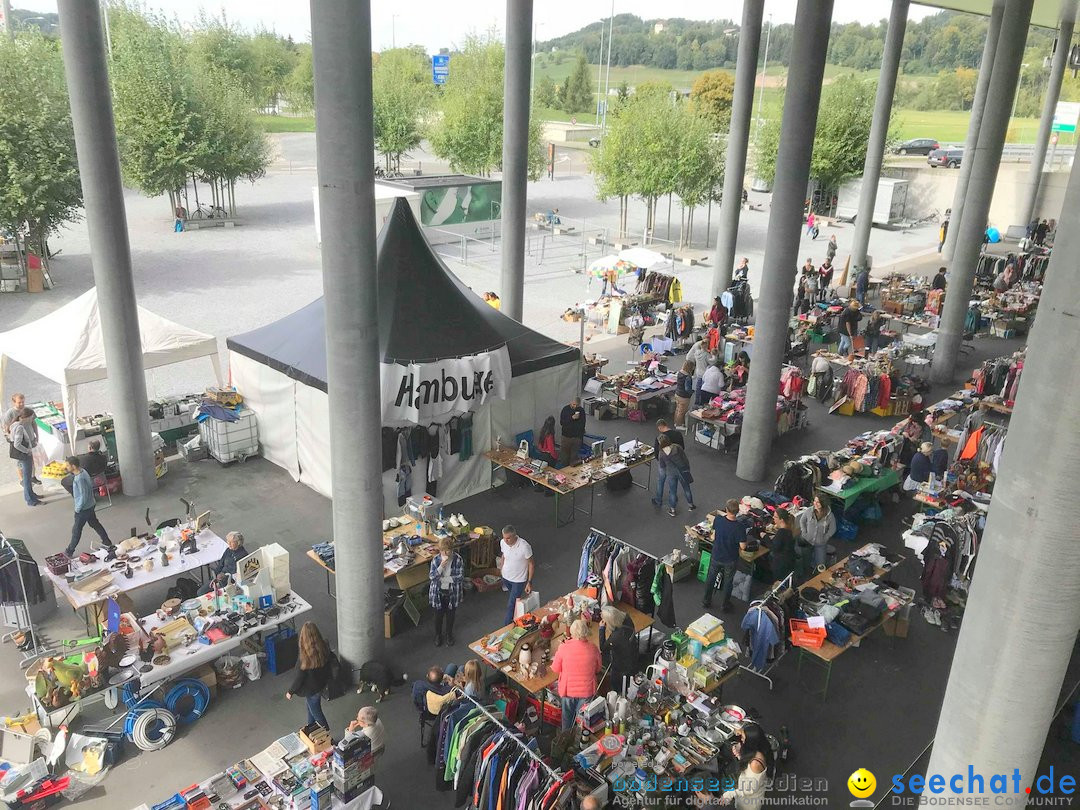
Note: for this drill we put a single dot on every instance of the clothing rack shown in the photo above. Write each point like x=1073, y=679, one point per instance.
x=784, y=584
x=649, y=554
x=38, y=647
x=552, y=773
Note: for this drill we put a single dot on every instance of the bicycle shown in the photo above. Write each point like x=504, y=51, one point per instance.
x=209, y=212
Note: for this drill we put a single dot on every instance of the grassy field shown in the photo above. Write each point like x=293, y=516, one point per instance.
x=286, y=123
x=948, y=126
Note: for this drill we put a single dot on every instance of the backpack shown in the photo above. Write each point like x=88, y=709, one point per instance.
x=337, y=680
x=184, y=589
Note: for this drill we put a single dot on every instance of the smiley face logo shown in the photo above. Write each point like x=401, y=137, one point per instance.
x=861, y=783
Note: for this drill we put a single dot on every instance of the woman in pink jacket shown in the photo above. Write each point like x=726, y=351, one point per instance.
x=578, y=663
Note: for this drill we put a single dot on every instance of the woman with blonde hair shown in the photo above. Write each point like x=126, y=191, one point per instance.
x=577, y=661
x=445, y=576
x=474, y=678
x=312, y=673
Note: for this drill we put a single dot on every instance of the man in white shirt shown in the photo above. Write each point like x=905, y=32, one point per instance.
x=516, y=566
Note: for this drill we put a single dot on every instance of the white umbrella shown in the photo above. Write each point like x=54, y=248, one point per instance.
x=641, y=257
x=605, y=264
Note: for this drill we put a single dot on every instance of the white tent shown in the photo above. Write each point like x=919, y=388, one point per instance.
x=67, y=347
x=643, y=257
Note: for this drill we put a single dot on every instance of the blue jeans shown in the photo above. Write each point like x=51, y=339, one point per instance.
x=515, y=591
x=26, y=466
x=570, y=708
x=845, y=344
x=84, y=518
x=315, y=712
x=673, y=490
x=728, y=571
x=661, y=480
x=820, y=554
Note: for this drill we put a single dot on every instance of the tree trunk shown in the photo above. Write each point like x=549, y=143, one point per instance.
x=195, y=188
x=172, y=201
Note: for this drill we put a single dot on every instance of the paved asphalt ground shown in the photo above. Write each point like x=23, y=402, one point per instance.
x=883, y=698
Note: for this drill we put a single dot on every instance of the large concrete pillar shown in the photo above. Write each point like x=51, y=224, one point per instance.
x=1010, y=662
x=879, y=129
x=515, y=177
x=344, y=142
x=1029, y=193
x=807, y=68
x=978, y=105
x=980, y=191
x=742, y=104
x=110, y=252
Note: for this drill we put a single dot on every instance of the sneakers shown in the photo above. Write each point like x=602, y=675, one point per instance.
x=671, y=512
x=692, y=507
x=932, y=617
x=35, y=480
x=450, y=640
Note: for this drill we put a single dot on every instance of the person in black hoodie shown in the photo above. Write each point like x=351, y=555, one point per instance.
x=312, y=673
x=619, y=647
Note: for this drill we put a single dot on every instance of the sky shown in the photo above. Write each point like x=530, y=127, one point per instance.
x=444, y=23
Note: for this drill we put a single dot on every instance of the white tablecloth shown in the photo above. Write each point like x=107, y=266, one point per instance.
x=210, y=549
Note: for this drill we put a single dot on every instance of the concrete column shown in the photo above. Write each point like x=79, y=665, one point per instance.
x=103, y=196
x=980, y=191
x=1030, y=192
x=344, y=141
x=879, y=129
x=515, y=176
x=742, y=104
x=807, y=68
x=1034, y=499
x=978, y=105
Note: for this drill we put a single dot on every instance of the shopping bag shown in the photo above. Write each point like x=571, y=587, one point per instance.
x=527, y=604
x=41, y=458
x=741, y=587
x=858, y=343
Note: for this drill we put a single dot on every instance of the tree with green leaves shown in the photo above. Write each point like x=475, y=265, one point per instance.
x=469, y=134
x=300, y=83
x=546, y=94
x=273, y=60
x=699, y=170
x=153, y=104
x=402, y=97
x=223, y=48
x=843, y=130
x=577, y=95
x=39, y=173
x=623, y=91
x=655, y=87
x=712, y=94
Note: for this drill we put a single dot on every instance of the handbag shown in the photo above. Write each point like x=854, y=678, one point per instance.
x=335, y=684
x=18, y=455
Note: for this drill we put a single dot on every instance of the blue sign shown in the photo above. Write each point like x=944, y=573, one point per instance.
x=440, y=67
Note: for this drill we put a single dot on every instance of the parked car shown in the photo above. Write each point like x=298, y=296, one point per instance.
x=594, y=142
x=918, y=146
x=949, y=158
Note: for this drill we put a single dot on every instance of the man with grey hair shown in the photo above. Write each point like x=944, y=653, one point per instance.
x=367, y=722
x=223, y=571
x=572, y=422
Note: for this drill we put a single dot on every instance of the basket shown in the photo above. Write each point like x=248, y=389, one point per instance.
x=803, y=635
x=58, y=564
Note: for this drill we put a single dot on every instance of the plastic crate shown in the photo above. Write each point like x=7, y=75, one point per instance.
x=231, y=441
x=58, y=564
x=803, y=635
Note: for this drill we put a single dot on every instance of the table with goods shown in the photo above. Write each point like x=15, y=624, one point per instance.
x=151, y=674
x=567, y=481
x=304, y=769
x=846, y=603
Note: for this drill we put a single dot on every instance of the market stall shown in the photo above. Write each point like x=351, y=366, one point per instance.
x=434, y=347
x=719, y=423
x=67, y=347
x=568, y=481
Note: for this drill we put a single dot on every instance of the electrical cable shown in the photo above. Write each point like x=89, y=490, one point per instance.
x=133, y=715
x=152, y=729
x=191, y=688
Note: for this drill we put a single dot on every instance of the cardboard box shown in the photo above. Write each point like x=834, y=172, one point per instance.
x=315, y=737
x=206, y=674
x=896, y=626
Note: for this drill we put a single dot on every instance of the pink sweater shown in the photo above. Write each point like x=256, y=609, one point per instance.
x=578, y=662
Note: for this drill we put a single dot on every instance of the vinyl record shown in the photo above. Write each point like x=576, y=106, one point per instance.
x=121, y=676
x=128, y=660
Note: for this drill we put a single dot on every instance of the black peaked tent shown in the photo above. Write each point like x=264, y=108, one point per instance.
x=426, y=314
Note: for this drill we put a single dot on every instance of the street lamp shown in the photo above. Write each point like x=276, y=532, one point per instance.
x=393, y=30
x=761, y=93
x=1019, y=83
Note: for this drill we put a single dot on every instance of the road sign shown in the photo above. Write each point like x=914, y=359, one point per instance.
x=440, y=67
x=1054, y=138
x=1066, y=115
x=573, y=121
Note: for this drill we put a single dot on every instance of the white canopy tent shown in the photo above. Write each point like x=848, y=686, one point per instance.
x=67, y=347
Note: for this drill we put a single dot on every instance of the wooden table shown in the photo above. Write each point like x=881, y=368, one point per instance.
x=827, y=653
x=723, y=428
x=573, y=478
x=868, y=485
x=539, y=684
x=409, y=575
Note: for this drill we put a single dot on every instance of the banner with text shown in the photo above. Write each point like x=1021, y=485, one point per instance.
x=422, y=393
